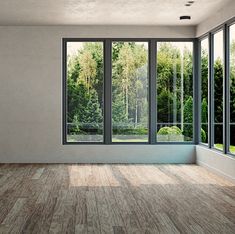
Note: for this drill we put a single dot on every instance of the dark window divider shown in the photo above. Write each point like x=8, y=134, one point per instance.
x=196, y=93
x=226, y=90
x=107, y=91
x=152, y=91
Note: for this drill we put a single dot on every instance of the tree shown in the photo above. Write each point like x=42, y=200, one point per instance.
x=204, y=74
x=86, y=112
x=87, y=69
x=188, y=117
x=129, y=78
x=204, y=117
x=218, y=101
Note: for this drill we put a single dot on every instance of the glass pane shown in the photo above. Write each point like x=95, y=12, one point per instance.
x=174, y=91
x=218, y=90
x=232, y=88
x=85, y=91
x=129, y=91
x=204, y=90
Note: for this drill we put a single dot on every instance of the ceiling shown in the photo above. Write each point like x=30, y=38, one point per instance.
x=105, y=12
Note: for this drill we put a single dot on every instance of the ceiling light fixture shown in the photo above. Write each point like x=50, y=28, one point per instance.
x=190, y=2
x=187, y=4
x=185, y=17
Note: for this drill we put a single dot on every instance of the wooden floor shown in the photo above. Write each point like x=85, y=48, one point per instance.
x=39, y=198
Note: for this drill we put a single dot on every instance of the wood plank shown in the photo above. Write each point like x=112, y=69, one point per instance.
x=74, y=198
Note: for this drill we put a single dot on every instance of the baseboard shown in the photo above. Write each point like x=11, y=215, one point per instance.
x=216, y=171
x=216, y=162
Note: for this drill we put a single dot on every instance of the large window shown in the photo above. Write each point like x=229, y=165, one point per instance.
x=113, y=87
x=174, y=91
x=218, y=60
x=129, y=91
x=218, y=88
x=204, y=89
x=84, y=89
x=232, y=87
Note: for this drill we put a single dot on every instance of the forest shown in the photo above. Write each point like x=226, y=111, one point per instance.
x=85, y=96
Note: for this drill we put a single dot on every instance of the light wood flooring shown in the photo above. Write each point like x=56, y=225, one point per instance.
x=74, y=198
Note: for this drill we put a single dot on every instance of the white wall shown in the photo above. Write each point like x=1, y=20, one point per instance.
x=30, y=98
x=219, y=17
x=216, y=162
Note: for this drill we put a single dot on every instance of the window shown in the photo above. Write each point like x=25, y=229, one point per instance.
x=232, y=87
x=204, y=89
x=218, y=60
x=109, y=88
x=218, y=88
x=129, y=91
x=84, y=92
x=174, y=91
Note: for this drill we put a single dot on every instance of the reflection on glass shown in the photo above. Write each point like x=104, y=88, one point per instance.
x=218, y=90
x=129, y=91
x=85, y=91
x=174, y=91
x=204, y=90
x=232, y=88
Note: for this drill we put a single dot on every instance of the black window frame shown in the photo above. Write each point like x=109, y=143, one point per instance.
x=152, y=78
x=226, y=87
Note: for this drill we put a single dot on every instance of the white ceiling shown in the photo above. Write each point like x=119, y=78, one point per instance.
x=105, y=12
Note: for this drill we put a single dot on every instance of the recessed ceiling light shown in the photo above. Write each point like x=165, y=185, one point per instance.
x=185, y=17
x=187, y=4
x=190, y=2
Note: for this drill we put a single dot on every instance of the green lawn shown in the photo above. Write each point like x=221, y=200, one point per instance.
x=129, y=140
x=220, y=146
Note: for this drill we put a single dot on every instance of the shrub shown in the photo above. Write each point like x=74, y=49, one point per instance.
x=170, y=134
x=164, y=131
x=174, y=130
x=203, y=135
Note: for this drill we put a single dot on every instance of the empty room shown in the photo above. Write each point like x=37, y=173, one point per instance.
x=117, y=116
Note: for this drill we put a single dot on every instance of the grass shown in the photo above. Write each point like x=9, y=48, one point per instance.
x=220, y=147
x=99, y=138
x=129, y=140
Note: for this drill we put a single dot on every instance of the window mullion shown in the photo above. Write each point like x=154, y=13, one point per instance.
x=196, y=92
x=152, y=91
x=226, y=91
x=211, y=93
x=107, y=92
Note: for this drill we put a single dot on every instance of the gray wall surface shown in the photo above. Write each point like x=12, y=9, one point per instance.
x=216, y=161
x=30, y=98
x=225, y=13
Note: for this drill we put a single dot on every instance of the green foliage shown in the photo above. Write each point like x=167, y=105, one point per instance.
x=203, y=136
x=84, y=109
x=169, y=134
x=165, y=106
x=174, y=130
x=204, y=111
x=129, y=77
x=204, y=74
x=188, y=118
x=204, y=120
x=218, y=100
x=164, y=131
x=129, y=88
